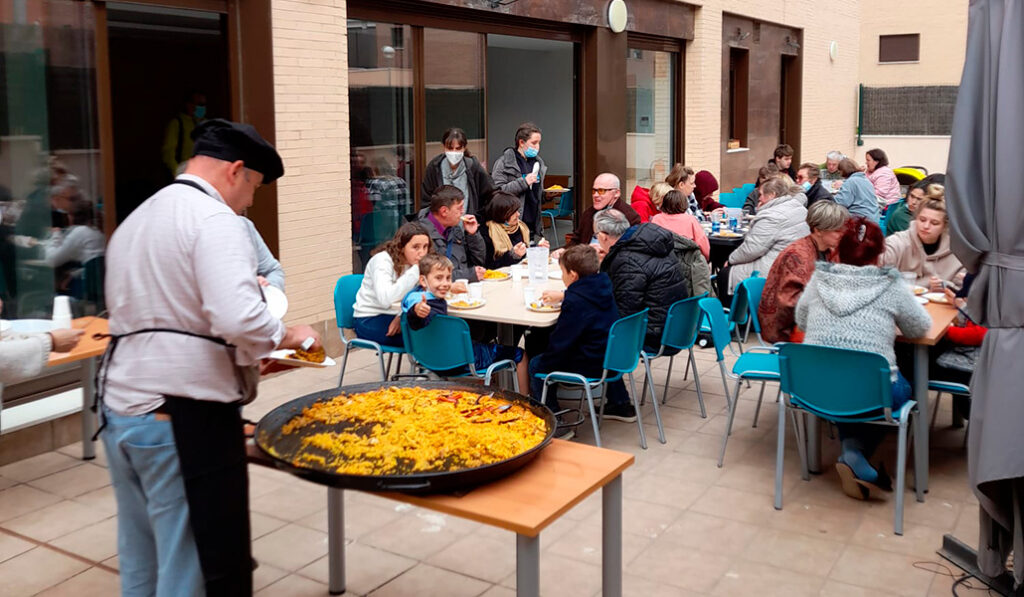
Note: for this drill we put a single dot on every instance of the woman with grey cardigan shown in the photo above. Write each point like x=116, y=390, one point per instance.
x=781, y=220
x=858, y=305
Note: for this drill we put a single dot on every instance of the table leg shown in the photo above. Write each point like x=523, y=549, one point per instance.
x=89, y=426
x=923, y=420
x=813, y=429
x=527, y=566
x=336, y=540
x=611, y=538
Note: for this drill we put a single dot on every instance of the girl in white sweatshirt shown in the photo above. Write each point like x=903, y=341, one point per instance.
x=389, y=276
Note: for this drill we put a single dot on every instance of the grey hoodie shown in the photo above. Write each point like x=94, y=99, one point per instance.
x=859, y=308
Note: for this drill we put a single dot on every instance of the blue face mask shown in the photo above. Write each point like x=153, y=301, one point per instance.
x=530, y=152
x=806, y=185
x=200, y=112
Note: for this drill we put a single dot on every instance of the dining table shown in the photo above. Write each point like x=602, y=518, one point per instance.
x=943, y=315
x=723, y=246
x=506, y=306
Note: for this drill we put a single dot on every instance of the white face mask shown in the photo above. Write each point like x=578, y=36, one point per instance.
x=454, y=157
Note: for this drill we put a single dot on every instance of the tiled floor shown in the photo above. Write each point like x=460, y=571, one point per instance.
x=690, y=528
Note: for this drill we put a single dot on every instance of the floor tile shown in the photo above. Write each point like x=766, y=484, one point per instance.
x=291, y=502
x=584, y=543
x=428, y=581
x=266, y=575
x=917, y=539
x=795, y=552
x=667, y=491
x=54, y=521
x=751, y=578
x=94, y=582
x=22, y=499
x=38, y=466
x=366, y=568
x=688, y=568
x=11, y=546
x=95, y=542
x=102, y=500
x=74, y=481
x=412, y=538
x=294, y=586
x=564, y=576
x=710, y=533
x=833, y=588
x=478, y=556
x=36, y=570
x=881, y=570
x=291, y=547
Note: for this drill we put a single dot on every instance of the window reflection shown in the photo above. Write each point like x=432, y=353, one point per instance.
x=650, y=124
x=51, y=237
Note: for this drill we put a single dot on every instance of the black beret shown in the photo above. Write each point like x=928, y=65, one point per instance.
x=233, y=141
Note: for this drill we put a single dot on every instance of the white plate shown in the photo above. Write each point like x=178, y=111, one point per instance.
x=505, y=276
x=919, y=290
x=284, y=356
x=936, y=297
x=546, y=309
x=473, y=304
x=555, y=274
x=31, y=326
x=5, y=327
x=277, y=302
x=921, y=300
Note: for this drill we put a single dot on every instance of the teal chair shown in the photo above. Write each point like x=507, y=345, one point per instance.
x=842, y=386
x=731, y=199
x=951, y=388
x=680, y=333
x=624, y=351
x=759, y=363
x=745, y=189
x=562, y=210
x=444, y=346
x=752, y=289
x=344, y=300
x=738, y=314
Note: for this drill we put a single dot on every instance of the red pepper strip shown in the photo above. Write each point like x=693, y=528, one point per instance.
x=448, y=399
x=483, y=421
x=509, y=420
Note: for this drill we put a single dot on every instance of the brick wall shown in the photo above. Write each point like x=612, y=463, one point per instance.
x=829, y=88
x=311, y=98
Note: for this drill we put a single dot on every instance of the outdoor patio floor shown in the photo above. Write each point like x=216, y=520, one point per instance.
x=690, y=528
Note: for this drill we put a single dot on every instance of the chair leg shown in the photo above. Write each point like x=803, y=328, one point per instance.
x=654, y=401
x=636, y=405
x=801, y=443
x=780, y=455
x=668, y=376
x=593, y=416
x=760, y=397
x=935, y=409
x=918, y=460
x=728, y=424
x=643, y=390
x=696, y=382
x=901, y=472
x=391, y=358
x=686, y=372
x=344, y=362
x=383, y=372
x=515, y=379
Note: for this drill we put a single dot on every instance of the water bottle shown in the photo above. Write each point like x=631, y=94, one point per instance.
x=715, y=226
x=733, y=224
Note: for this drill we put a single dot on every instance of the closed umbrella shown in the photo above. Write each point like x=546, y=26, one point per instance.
x=985, y=193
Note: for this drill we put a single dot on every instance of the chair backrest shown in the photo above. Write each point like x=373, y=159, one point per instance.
x=836, y=383
x=565, y=204
x=714, y=313
x=625, y=341
x=682, y=323
x=747, y=188
x=731, y=199
x=442, y=345
x=752, y=288
x=345, y=299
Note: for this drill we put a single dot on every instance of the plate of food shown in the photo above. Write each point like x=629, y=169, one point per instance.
x=919, y=290
x=936, y=297
x=277, y=302
x=921, y=300
x=467, y=303
x=727, y=234
x=493, y=275
x=541, y=307
x=303, y=358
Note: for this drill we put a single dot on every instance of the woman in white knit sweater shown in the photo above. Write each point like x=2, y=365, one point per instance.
x=389, y=276
x=858, y=305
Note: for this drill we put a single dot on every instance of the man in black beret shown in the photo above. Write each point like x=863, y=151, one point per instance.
x=191, y=329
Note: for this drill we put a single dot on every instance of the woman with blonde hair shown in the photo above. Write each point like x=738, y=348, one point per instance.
x=924, y=248
x=684, y=179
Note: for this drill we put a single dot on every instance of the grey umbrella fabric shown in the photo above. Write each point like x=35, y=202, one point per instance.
x=985, y=196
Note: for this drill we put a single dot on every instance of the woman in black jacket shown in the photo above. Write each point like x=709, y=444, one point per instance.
x=507, y=236
x=458, y=168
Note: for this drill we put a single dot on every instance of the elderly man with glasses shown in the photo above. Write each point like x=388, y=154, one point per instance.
x=606, y=194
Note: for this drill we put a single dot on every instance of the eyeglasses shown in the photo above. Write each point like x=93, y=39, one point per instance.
x=601, y=192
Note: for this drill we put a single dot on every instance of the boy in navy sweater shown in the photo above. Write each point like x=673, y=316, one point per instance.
x=580, y=336
x=429, y=299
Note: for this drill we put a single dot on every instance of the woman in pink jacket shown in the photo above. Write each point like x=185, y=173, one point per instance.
x=887, y=187
x=673, y=217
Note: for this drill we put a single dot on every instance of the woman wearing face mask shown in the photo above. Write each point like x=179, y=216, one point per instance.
x=807, y=177
x=924, y=247
x=520, y=172
x=507, y=235
x=458, y=168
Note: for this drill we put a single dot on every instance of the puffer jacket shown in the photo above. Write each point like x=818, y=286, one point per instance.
x=887, y=186
x=509, y=178
x=779, y=223
x=696, y=270
x=859, y=308
x=580, y=336
x=645, y=274
x=905, y=252
x=641, y=203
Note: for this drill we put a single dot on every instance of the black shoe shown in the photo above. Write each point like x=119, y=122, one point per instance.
x=620, y=412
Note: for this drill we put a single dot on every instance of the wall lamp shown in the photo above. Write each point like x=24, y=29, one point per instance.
x=740, y=35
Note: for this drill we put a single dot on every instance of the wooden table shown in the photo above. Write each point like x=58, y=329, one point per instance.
x=942, y=316
x=526, y=503
x=87, y=352
x=505, y=305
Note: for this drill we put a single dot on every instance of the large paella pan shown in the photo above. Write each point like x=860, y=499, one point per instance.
x=414, y=436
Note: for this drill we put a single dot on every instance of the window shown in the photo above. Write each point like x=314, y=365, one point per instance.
x=739, y=82
x=899, y=48
x=650, y=116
